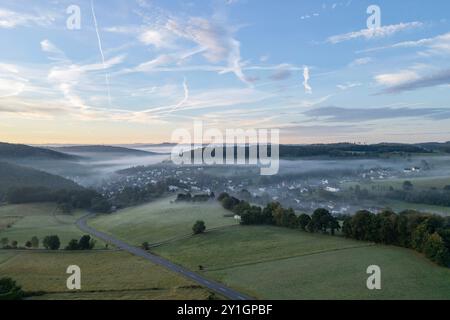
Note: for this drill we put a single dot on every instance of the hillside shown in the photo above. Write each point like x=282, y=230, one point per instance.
x=13, y=176
x=100, y=149
x=23, y=152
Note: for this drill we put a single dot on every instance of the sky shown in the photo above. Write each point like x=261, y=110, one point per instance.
x=134, y=71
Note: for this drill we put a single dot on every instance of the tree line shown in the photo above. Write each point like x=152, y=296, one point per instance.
x=51, y=242
x=275, y=214
x=130, y=196
x=68, y=200
x=425, y=233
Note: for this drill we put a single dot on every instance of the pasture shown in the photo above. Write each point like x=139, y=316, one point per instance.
x=277, y=263
x=104, y=275
x=161, y=220
x=21, y=222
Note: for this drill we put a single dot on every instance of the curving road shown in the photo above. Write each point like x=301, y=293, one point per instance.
x=212, y=285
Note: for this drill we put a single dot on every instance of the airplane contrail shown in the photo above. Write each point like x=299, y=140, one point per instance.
x=306, y=85
x=101, y=52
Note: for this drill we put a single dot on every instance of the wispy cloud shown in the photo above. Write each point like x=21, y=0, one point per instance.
x=394, y=79
x=348, y=85
x=419, y=82
x=54, y=52
x=11, y=19
x=179, y=39
x=360, y=62
x=100, y=48
x=435, y=45
x=380, y=32
x=350, y=115
x=306, y=85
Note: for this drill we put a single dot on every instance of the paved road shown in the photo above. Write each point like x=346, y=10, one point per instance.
x=212, y=285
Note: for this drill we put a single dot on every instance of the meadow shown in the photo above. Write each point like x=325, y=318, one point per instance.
x=104, y=275
x=162, y=220
x=276, y=263
x=265, y=262
x=21, y=222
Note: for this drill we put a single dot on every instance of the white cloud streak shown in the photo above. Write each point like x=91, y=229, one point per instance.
x=380, y=32
x=306, y=78
x=101, y=52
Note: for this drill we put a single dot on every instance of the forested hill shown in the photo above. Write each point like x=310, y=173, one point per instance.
x=23, y=152
x=14, y=176
x=348, y=149
x=340, y=150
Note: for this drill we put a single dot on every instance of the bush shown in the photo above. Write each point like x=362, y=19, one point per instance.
x=73, y=245
x=35, y=242
x=85, y=243
x=199, y=227
x=9, y=290
x=52, y=242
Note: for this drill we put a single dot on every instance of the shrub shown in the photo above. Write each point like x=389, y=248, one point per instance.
x=199, y=227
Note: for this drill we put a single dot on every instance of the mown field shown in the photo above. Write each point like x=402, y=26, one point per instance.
x=161, y=220
x=21, y=222
x=104, y=275
x=277, y=263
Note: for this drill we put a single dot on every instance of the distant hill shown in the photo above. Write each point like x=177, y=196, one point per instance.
x=14, y=176
x=100, y=149
x=341, y=150
x=23, y=152
x=348, y=149
x=435, y=146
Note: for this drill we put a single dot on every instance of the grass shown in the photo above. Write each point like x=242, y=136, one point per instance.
x=275, y=263
x=104, y=275
x=40, y=220
x=241, y=245
x=342, y=275
x=421, y=183
x=161, y=220
x=401, y=205
x=380, y=187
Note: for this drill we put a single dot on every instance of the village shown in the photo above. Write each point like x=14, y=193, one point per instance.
x=299, y=191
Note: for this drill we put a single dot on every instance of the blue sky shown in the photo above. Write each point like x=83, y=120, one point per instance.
x=312, y=69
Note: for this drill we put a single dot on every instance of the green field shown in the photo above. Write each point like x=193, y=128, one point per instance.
x=104, y=275
x=401, y=205
x=425, y=183
x=40, y=220
x=161, y=220
x=262, y=261
x=276, y=263
x=380, y=187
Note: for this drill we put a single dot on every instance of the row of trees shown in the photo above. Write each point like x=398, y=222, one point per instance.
x=425, y=233
x=275, y=214
x=430, y=197
x=67, y=199
x=52, y=242
x=6, y=244
x=85, y=243
x=188, y=197
x=130, y=196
